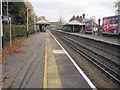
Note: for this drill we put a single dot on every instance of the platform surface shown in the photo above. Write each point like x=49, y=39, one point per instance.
x=67, y=75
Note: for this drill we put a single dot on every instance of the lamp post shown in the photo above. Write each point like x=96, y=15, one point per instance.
x=119, y=21
x=93, y=26
x=10, y=25
x=34, y=23
x=10, y=33
x=82, y=27
x=28, y=9
x=7, y=7
x=1, y=28
x=1, y=40
x=99, y=26
x=1, y=36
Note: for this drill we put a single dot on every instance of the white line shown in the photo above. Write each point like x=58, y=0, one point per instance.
x=58, y=52
x=78, y=68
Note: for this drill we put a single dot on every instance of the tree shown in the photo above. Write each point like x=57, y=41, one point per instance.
x=18, y=11
x=22, y=14
x=61, y=20
x=117, y=5
x=15, y=10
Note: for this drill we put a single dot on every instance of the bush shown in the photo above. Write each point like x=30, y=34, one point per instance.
x=17, y=31
x=31, y=30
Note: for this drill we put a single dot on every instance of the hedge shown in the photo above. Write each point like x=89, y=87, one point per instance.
x=17, y=31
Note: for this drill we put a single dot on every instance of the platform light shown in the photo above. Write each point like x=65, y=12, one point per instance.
x=28, y=9
x=1, y=28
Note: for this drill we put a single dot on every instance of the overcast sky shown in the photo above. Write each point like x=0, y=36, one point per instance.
x=52, y=9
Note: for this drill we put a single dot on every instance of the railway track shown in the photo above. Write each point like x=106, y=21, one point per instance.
x=109, y=67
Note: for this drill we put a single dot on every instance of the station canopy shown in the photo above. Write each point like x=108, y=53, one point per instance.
x=74, y=22
x=43, y=22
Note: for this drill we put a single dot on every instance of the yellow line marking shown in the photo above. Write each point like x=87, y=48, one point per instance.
x=45, y=65
x=51, y=73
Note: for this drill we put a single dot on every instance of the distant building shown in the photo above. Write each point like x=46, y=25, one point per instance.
x=42, y=23
x=56, y=25
x=41, y=18
x=78, y=18
x=88, y=24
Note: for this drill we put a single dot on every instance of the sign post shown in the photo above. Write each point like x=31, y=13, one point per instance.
x=8, y=19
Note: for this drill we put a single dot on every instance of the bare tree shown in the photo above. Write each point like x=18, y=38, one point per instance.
x=61, y=20
x=117, y=5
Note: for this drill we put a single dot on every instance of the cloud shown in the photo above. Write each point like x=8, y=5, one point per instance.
x=52, y=9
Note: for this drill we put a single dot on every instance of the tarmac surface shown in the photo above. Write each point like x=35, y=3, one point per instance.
x=69, y=75
x=26, y=70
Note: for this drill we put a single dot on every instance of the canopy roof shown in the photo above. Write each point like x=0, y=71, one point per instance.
x=43, y=22
x=74, y=22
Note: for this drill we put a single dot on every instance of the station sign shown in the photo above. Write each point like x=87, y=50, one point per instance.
x=5, y=18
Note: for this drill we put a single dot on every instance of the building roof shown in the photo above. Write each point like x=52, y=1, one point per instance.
x=74, y=22
x=43, y=22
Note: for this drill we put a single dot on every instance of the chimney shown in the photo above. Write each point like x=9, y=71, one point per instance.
x=83, y=15
x=73, y=16
x=80, y=16
x=77, y=16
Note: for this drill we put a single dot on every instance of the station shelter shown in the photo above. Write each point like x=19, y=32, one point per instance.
x=42, y=25
x=73, y=26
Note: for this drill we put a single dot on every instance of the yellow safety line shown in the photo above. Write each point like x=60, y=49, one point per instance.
x=45, y=65
x=51, y=74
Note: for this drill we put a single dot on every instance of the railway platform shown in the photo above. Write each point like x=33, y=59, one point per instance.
x=108, y=39
x=44, y=63
x=60, y=69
